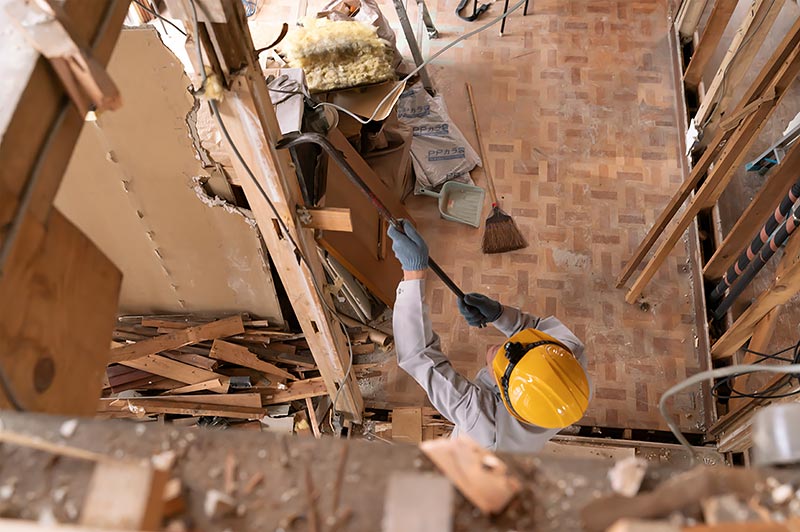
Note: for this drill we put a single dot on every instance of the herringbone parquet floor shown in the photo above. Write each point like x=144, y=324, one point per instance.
x=577, y=106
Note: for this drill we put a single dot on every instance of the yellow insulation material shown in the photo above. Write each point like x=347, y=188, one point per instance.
x=338, y=54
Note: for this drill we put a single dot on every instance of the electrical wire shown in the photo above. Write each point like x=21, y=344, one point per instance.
x=449, y=45
x=163, y=19
x=284, y=228
x=791, y=369
x=768, y=392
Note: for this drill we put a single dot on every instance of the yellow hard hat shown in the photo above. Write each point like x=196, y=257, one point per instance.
x=540, y=380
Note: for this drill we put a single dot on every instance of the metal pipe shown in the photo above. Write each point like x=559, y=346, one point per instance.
x=777, y=239
x=755, y=246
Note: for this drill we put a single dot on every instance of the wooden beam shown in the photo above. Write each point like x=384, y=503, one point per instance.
x=296, y=391
x=237, y=354
x=248, y=400
x=732, y=155
x=760, y=86
x=709, y=41
x=746, y=43
x=330, y=219
x=208, y=331
x=249, y=116
x=762, y=335
x=777, y=185
x=689, y=16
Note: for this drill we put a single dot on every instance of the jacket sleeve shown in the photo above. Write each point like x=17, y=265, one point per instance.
x=419, y=354
x=513, y=320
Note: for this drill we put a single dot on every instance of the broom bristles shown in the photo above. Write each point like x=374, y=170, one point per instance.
x=501, y=233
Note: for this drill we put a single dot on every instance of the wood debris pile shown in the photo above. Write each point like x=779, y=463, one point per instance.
x=233, y=371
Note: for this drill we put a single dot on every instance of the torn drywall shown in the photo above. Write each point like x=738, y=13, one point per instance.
x=135, y=187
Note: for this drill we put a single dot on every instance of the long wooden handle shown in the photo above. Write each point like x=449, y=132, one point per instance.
x=489, y=182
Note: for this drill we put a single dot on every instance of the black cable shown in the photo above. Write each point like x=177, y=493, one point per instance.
x=155, y=14
x=770, y=392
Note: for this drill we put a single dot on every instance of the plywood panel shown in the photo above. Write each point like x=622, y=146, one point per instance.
x=129, y=187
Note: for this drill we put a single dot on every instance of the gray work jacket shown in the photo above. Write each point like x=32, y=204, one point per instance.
x=475, y=407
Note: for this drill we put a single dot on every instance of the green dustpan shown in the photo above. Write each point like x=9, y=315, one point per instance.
x=459, y=202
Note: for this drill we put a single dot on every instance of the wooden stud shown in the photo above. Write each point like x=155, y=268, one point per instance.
x=712, y=34
x=778, y=183
x=208, y=331
x=312, y=418
x=240, y=355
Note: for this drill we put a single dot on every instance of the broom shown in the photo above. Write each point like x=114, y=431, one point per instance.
x=501, y=234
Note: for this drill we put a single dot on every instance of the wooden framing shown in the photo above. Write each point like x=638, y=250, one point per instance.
x=248, y=114
x=774, y=76
x=715, y=27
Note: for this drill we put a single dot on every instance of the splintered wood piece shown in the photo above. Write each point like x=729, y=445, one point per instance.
x=198, y=361
x=407, y=425
x=312, y=418
x=35, y=442
x=172, y=369
x=124, y=496
x=295, y=391
x=253, y=482
x=429, y=495
x=220, y=385
x=237, y=354
x=230, y=473
x=174, y=501
x=179, y=338
x=477, y=473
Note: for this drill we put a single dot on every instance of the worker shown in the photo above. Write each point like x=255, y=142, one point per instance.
x=532, y=386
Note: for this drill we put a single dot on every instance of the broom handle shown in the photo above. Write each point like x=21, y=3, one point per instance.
x=489, y=182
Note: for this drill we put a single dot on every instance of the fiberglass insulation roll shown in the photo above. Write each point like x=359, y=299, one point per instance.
x=338, y=54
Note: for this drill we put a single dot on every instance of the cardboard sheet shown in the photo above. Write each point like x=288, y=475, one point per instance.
x=129, y=187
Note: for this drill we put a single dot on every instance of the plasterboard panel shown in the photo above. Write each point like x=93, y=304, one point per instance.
x=130, y=188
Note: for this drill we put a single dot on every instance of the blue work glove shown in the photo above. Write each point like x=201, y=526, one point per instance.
x=409, y=248
x=479, y=310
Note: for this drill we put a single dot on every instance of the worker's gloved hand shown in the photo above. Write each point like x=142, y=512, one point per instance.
x=409, y=248
x=479, y=310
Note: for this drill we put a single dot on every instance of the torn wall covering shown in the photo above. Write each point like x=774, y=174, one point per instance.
x=131, y=187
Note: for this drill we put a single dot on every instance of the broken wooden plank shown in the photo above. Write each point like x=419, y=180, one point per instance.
x=477, y=473
x=142, y=406
x=141, y=506
x=249, y=400
x=295, y=391
x=171, y=369
x=208, y=331
x=237, y=354
x=220, y=385
x=330, y=219
x=198, y=361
